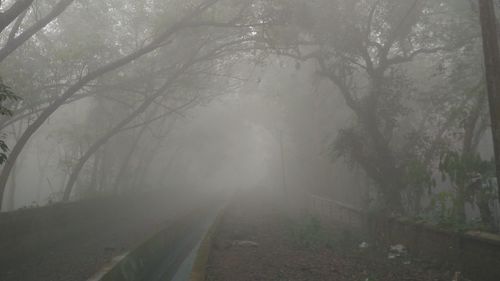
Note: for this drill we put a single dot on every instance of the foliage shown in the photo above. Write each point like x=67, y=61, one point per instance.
x=442, y=212
x=473, y=180
x=463, y=169
x=477, y=175
x=6, y=96
x=419, y=181
x=403, y=67
x=309, y=232
x=120, y=59
x=368, y=49
x=419, y=176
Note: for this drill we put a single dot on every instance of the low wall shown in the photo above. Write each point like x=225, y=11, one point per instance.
x=199, y=269
x=475, y=254
x=26, y=232
x=38, y=220
x=142, y=262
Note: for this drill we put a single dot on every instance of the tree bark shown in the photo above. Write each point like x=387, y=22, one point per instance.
x=12, y=192
x=492, y=68
x=95, y=172
x=103, y=169
x=7, y=17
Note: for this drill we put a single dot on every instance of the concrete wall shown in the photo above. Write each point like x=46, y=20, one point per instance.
x=142, y=263
x=160, y=256
x=475, y=254
x=29, y=232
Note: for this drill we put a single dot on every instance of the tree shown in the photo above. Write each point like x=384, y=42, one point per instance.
x=11, y=13
x=367, y=45
x=192, y=59
x=492, y=68
x=81, y=62
x=159, y=41
x=6, y=96
x=15, y=40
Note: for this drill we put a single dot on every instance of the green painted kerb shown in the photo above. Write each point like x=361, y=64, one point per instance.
x=198, y=272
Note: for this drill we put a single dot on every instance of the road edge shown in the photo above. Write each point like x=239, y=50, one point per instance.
x=134, y=263
x=198, y=272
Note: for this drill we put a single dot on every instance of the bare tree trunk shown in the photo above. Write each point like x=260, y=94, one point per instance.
x=143, y=107
x=117, y=129
x=10, y=15
x=13, y=185
x=95, y=172
x=123, y=168
x=146, y=165
x=103, y=169
x=12, y=191
x=122, y=171
x=283, y=168
x=148, y=159
x=492, y=66
x=168, y=166
x=81, y=162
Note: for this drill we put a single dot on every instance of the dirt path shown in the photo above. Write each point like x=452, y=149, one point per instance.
x=297, y=249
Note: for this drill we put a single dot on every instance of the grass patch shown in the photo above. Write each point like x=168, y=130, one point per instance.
x=308, y=232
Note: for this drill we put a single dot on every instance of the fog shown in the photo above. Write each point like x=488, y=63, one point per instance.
x=383, y=106
x=136, y=98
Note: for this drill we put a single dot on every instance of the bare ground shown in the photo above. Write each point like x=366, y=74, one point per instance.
x=288, y=249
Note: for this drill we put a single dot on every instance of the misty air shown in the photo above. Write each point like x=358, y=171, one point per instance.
x=249, y=140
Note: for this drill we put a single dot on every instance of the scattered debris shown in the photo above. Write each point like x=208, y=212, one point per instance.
x=245, y=244
x=278, y=257
x=364, y=245
x=397, y=251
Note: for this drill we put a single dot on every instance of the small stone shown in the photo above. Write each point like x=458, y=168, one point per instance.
x=363, y=245
x=245, y=243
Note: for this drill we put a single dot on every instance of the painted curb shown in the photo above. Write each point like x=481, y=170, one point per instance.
x=198, y=272
x=147, y=255
x=108, y=267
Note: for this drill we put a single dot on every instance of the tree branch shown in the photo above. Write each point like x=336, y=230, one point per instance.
x=7, y=17
x=15, y=42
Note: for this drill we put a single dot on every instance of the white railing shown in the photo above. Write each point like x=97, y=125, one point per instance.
x=329, y=209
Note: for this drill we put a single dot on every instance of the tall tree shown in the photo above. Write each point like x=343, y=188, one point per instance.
x=492, y=68
x=363, y=48
x=159, y=41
